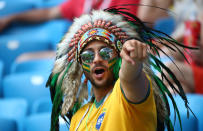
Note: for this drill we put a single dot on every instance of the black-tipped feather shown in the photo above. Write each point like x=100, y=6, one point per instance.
x=149, y=35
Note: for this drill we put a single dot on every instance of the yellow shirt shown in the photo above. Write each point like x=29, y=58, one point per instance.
x=117, y=114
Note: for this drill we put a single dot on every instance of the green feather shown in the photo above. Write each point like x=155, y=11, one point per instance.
x=164, y=90
x=53, y=85
x=58, y=99
x=173, y=77
x=116, y=68
x=76, y=107
x=54, y=80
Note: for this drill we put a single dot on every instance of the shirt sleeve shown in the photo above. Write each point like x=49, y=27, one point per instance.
x=71, y=9
x=147, y=101
x=132, y=9
x=144, y=112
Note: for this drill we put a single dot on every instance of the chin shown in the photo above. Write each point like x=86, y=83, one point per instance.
x=100, y=83
x=105, y=83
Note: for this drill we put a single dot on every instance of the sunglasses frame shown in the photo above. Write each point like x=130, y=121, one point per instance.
x=109, y=52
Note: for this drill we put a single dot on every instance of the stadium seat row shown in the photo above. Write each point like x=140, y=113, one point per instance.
x=8, y=7
x=30, y=38
x=13, y=117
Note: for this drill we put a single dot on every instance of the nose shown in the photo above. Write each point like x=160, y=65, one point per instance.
x=97, y=58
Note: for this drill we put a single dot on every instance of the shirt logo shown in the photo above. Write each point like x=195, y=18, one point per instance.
x=100, y=120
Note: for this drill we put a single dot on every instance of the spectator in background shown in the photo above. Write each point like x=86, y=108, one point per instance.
x=191, y=74
x=67, y=10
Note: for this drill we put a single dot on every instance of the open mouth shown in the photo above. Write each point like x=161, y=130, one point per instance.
x=99, y=71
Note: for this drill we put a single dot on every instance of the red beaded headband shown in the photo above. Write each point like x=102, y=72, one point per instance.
x=113, y=29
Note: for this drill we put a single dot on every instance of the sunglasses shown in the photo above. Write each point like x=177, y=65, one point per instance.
x=88, y=55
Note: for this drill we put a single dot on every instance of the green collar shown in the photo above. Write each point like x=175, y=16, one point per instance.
x=97, y=104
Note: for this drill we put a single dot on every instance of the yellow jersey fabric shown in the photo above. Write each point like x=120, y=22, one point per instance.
x=117, y=114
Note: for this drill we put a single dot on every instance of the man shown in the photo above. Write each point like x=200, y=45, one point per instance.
x=132, y=90
x=109, y=51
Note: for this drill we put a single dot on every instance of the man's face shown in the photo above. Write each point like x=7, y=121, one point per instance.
x=98, y=69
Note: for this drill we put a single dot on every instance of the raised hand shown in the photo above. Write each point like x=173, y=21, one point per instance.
x=134, y=51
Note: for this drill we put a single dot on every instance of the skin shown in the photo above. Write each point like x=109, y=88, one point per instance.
x=101, y=85
x=133, y=81
x=33, y=16
x=151, y=14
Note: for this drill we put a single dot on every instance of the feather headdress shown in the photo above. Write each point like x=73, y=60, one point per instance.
x=113, y=26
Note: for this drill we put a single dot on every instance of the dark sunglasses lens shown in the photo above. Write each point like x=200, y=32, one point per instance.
x=106, y=53
x=87, y=56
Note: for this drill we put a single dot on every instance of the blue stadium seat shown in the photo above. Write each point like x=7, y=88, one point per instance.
x=42, y=105
x=30, y=86
x=10, y=6
x=37, y=122
x=41, y=122
x=188, y=124
x=1, y=72
x=44, y=65
x=164, y=59
x=196, y=104
x=62, y=27
x=12, y=111
x=13, y=45
x=30, y=38
x=191, y=123
x=8, y=124
x=50, y=3
x=166, y=25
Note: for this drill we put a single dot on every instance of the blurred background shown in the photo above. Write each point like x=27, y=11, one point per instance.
x=27, y=51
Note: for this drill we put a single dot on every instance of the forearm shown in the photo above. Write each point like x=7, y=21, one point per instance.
x=39, y=15
x=133, y=81
x=150, y=11
x=132, y=78
x=129, y=72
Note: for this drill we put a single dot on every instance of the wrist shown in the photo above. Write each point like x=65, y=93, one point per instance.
x=130, y=72
x=139, y=70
